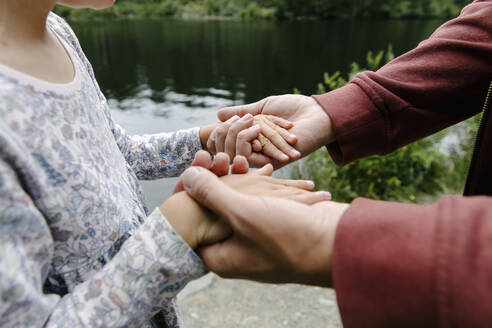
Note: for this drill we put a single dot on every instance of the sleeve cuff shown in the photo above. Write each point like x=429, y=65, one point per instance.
x=383, y=265
x=177, y=260
x=358, y=125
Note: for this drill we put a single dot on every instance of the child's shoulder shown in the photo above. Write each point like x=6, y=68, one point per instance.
x=62, y=29
x=55, y=21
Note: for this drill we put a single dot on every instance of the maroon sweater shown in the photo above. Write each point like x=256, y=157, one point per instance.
x=402, y=265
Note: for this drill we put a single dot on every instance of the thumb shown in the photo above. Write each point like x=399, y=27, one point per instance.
x=203, y=186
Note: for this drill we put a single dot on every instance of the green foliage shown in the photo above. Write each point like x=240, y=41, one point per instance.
x=335, y=80
x=271, y=9
x=404, y=175
x=254, y=12
x=413, y=173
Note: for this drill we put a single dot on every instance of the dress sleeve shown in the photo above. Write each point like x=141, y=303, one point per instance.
x=158, y=155
x=152, y=266
x=441, y=82
x=404, y=265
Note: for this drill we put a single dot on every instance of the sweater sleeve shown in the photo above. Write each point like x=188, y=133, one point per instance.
x=402, y=265
x=441, y=82
x=151, y=267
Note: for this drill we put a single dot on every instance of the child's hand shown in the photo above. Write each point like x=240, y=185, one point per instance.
x=260, y=183
x=269, y=135
x=198, y=227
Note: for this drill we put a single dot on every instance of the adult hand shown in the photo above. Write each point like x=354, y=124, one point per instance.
x=312, y=125
x=275, y=240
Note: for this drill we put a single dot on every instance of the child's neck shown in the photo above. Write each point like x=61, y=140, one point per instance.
x=24, y=20
x=27, y=45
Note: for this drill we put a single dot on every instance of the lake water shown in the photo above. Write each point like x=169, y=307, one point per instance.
x=164, y=75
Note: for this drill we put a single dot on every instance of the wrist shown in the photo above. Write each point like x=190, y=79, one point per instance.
x=324, y=121
x=205, y=132
x=180, y=211
x=319, y=269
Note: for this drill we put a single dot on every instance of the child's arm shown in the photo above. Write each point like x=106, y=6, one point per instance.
x=151, y=267
x=159, y=155
x=144, y=276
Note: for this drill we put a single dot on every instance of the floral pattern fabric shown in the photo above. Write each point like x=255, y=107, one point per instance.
x=77, y=246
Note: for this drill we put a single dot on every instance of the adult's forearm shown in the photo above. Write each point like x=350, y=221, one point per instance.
x=402, y=265
x=441, y=82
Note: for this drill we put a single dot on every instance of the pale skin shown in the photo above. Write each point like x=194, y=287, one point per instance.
x=199, y=227
x=311, y=127
x=275, y=240
x=23, y=32
x=269, y=137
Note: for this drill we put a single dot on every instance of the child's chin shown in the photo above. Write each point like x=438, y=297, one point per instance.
x=103, y=4
x=92, y=4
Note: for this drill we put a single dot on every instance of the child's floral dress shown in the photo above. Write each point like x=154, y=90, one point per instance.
x=77, y=246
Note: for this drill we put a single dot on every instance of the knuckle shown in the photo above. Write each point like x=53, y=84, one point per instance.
x=243, y=135
x=269, y=133
x=234, y=129
x=223, y=129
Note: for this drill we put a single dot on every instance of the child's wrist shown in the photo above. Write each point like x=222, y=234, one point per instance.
x=205, y=132
x=177, y=212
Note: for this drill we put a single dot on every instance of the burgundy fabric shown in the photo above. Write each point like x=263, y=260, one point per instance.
x=400, y=265
x=442, y=81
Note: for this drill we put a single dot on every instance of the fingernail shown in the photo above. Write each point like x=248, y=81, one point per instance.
x=310, y=184
x=324, y=195
x=295, y=153
x=289, y=122
x=189, y=177
x=293, y=136
x=284, y=158
x=256, y=127
x=232, y=119
x=246, y=118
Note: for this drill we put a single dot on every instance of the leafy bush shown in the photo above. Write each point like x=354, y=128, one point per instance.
x=254, y=11
x=169, y=8
x=412, y=173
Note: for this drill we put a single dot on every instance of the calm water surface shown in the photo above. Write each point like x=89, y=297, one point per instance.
x=164, y=75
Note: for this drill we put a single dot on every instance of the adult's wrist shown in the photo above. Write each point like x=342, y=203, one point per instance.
x=327, y=135
x=321, y=268
x=357, y=126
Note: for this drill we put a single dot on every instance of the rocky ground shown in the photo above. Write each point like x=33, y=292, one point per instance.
x=214, y=302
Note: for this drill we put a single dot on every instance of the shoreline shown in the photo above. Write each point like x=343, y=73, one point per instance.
x=197, y=12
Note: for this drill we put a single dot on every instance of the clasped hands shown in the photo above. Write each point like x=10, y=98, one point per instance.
x=251, y=225
x=276, y=130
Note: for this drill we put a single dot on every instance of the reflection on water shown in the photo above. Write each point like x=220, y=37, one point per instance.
x=164, y=75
